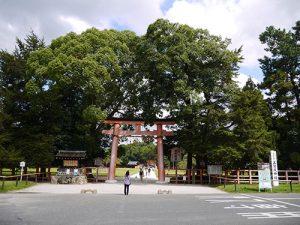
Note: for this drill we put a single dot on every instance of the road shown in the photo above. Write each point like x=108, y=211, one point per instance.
x=190, y=209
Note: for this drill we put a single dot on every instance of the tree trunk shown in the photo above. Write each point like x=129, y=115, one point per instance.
x=198, y=166
x=189, y=163
x=43, y=169
x=0, y=171
x=13, y=171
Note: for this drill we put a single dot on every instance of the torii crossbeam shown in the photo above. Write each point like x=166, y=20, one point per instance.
x=159, y=133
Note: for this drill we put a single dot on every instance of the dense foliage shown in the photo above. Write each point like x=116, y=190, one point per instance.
x=281, y=70
x=57, y=96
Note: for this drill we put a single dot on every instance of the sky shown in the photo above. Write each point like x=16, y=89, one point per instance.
x=239, y=20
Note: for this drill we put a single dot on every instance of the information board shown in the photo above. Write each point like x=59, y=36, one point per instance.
x=176, y=155
x=214, y=169
x=264, y=179
x=264, y=176
x=98, y=162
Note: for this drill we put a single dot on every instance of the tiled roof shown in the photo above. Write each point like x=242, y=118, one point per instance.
x=66, y=154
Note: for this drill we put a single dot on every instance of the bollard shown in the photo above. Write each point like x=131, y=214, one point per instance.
x=224, y=182
x=2, y=183
x=27, y=180
x=17, y=181
x=235, y=181
x=193, y=177
x=35, y=178
x=291, y=186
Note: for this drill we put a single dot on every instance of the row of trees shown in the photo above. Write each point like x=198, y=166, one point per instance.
x=56, y=97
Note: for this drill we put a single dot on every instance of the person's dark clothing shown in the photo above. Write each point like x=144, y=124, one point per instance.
x=126, y=183
x=126, y=189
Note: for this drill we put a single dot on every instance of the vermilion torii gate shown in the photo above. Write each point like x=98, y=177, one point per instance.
x=117, y=133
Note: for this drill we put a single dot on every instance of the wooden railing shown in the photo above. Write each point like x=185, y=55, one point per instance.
x=183, y=176
x=17, y=178
x=251, y=176
x=193, y=176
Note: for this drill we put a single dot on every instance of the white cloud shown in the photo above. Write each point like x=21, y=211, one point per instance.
x=241, y=79
x=50, y=19
x=242, y=21
x=76, y=24
x=212, y=15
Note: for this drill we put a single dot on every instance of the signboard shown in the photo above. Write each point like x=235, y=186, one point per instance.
x=175, y=155
x=98, y=162
x=274, y=168
x=71, y=163
x=214, y=169
x=76, y=172
x=22, y=164
x=263, y=166
x=264, y=176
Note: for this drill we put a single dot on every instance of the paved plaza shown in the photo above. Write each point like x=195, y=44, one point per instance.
x=64, y=204
x=117, y=188
x=31, y=208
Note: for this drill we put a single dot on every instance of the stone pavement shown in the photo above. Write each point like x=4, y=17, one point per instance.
x=117, y=188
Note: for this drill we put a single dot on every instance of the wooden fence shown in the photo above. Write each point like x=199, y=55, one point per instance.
x=183, y=176
x=17, y=178
x=251, y=176
x=194, y=176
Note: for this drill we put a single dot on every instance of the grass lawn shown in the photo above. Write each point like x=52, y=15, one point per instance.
x=253, y=188
x=11, y=185
x=120, y=172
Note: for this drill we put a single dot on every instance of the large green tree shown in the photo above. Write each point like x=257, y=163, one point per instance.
x=251, y=123
x=137, y=151
x=23, y=133
x=281, y=70
x=188, y=72
x=84, y=78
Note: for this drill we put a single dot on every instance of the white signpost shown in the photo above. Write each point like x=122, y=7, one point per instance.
x=274, y=168
x=22, y=165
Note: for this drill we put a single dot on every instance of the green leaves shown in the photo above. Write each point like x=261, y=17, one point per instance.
x=136, y=151
x=281, y=70
x=93, y=114
x=251, y=116
x=60, y=94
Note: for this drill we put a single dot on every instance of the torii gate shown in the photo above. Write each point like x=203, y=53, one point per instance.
x=116, y=133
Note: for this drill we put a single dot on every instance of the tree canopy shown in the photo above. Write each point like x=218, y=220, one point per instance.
x=281, y=70
x=57, y=96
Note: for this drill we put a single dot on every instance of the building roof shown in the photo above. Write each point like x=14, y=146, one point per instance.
x=132, y=163
x=67, y=154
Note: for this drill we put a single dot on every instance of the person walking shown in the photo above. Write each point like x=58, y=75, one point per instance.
x=126, y=182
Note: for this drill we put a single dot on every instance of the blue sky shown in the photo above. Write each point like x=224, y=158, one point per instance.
x=166, y=5
x=239, y=20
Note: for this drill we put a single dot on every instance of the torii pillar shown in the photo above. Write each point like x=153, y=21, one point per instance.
x=114, y=154
x=116, y=133
x=160, y=155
